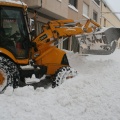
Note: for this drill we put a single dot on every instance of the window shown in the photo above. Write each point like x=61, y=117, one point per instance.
x=105, y=5
x=97, y=1
x=66, y=44
x=13, y=31
x=73, y=2
x=85, y=10
x=104, y=22
x=95, y=16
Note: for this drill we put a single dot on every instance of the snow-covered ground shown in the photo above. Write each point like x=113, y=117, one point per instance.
x=94, y=94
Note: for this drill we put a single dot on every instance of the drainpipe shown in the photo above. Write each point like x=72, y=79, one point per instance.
x=101, y=13
x=35, y=18
x=41, y=4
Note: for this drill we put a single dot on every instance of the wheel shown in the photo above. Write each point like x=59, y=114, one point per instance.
x=9, y=74
x=62, y=74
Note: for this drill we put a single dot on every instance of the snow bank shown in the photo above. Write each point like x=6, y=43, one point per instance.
x=92, y=95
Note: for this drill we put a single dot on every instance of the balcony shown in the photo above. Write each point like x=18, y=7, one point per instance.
x=56, y=9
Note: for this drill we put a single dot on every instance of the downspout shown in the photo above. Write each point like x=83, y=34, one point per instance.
x=101, y=13
x=41, y=4
x=35, y=18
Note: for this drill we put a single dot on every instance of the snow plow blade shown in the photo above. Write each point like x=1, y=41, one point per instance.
x=102, y=42
x=107, y=51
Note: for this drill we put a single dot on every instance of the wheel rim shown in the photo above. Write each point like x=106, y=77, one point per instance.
x=9, y=74
x=2, y=78
x=63, y=74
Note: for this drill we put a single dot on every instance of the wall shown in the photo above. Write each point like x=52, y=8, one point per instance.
x=95, y=7
x=111, y=19
x=57, y=7
x=62, y=10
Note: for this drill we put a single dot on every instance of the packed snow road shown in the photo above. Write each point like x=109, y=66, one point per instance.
x=92, y=95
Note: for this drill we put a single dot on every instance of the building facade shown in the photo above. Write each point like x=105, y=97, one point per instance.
x=108, y=16
x=64, y=9
x=79, y=10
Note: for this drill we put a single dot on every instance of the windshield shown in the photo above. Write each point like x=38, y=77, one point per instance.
x=13, y=29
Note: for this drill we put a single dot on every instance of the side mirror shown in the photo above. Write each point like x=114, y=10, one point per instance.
x=32, y=27
x=31, y=22
x=33, y=33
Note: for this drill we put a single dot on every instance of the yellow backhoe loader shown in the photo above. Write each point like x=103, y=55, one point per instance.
x=44, y=58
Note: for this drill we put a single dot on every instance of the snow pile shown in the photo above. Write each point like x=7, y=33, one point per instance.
x=14, y=1
x=92, y=95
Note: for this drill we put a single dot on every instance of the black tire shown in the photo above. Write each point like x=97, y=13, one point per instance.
x=62, y=74
x=9, y=74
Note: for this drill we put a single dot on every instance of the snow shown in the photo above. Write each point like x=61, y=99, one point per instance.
x=92, y=95
x=59, y=0
x=72, y=7
x=86, y=16
x=33, y=79
x=14, y=1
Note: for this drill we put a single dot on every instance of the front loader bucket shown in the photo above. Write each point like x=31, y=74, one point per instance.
x=106, y=51
x=111, y=34
x=102, y=42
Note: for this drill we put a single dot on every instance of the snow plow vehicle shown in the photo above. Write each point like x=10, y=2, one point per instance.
x=41, y=54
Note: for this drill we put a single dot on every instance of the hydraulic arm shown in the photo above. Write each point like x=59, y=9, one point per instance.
x=64, y=28
x=45, y=53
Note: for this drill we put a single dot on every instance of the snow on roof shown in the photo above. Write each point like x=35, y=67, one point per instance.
x=14, y=1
